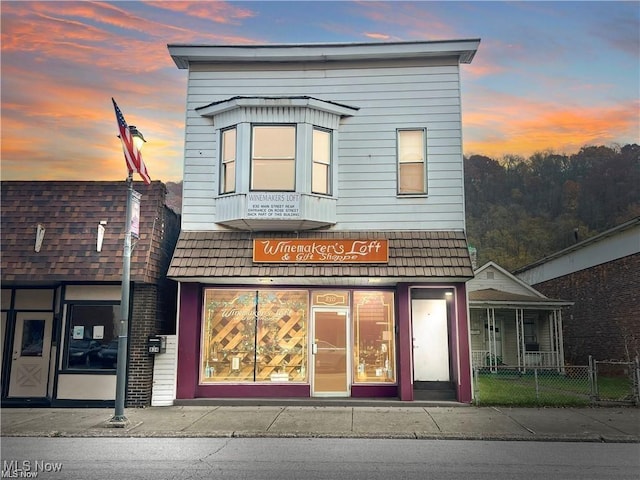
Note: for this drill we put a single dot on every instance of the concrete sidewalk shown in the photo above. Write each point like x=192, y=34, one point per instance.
x=437, y=422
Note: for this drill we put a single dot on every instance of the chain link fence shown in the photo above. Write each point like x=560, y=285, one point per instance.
x=598, y=383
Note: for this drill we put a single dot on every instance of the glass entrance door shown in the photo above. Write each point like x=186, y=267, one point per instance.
x=330, y=353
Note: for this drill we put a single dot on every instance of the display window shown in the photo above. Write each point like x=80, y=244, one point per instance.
x=254, y=336
x=251, y=336
x=374, y=337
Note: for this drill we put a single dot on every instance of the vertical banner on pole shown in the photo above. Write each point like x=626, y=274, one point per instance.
x=135, y=214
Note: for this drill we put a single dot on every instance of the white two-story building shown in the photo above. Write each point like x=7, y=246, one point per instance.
x=322, y=249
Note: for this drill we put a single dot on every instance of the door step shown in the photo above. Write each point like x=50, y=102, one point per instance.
x=433, y=391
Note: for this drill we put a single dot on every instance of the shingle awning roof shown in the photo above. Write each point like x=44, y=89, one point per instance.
x=227, y=257
x=70, y=212
x=491, y=297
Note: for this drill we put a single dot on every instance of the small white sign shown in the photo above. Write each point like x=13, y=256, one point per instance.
x=98, y=332
x=273, y=205
x=135, y=214
x=78, y=332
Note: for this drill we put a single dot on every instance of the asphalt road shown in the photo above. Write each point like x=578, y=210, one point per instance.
x=314, y=458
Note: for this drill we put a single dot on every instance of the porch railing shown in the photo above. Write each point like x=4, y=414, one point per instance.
x=481, y=358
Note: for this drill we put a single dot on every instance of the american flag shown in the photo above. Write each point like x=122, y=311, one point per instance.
x=131, y=153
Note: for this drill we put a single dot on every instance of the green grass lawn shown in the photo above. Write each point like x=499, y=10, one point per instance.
x=512, y=389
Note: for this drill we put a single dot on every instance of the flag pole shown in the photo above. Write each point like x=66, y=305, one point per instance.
x=119, y=418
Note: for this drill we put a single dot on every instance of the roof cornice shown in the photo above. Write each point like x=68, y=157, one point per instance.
x=184, y=54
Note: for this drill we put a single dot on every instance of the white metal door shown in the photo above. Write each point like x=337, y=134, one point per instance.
x=31, y=351
x=430, y=340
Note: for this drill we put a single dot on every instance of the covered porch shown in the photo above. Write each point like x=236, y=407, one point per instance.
x=509, y=329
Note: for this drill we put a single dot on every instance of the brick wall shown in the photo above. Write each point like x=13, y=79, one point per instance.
x=141, y=325
x=605, y=320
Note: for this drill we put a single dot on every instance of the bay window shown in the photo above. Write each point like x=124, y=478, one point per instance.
x=412, y=171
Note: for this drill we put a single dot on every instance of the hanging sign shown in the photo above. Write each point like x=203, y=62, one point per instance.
x=135, y=213
x=320, y=251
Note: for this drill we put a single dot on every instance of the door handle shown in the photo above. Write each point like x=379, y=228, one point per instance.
x=314, y=348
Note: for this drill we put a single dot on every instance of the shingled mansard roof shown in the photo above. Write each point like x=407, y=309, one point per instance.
x=70, y=213
x=227, y=257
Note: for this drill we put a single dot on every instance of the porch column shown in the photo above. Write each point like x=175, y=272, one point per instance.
x=560, y=340
x=520, y=338
x=491, y=331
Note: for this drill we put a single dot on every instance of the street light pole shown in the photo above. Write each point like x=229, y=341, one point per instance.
x=119, y=418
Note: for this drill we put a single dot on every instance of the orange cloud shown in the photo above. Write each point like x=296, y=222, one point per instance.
x=219, y=12
x=540, y=127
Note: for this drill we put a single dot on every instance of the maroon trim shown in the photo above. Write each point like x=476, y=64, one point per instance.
x=374, y=391
x=188, y=340
x=405, y=343
x=253, y=391
x=463, y=385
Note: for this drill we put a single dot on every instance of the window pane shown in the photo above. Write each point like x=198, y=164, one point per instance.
x=374, y=338
x=93, y=337
x=32, y=338
x=229, y=177
x=411, y=178
x=228, y=336
x=411, y=146
x=321, y=146
x=274, y=142
x=320, y=178
x=228, y=172
x=320, y=182
x=229, y=145
x=273, y=158
x=282, y=336
x=273, y=175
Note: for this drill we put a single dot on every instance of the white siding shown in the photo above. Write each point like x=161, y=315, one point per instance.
x=491, y=277
x=389, y=96
x=163, y=391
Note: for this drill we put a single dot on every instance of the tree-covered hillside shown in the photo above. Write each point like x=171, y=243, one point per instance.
x=519, y=211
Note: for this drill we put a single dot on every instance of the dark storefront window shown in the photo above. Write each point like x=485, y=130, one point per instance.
x=92, y=339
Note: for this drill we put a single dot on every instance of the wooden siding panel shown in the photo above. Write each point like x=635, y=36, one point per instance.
x=388, y=97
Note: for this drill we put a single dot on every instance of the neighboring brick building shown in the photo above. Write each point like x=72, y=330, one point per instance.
x=62, y=247
x=600, y=275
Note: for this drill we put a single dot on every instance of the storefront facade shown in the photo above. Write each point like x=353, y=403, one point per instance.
x=61, y=291
x=321, y=330
x=322, y=250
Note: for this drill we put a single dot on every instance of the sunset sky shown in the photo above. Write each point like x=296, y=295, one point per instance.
x=547, y=76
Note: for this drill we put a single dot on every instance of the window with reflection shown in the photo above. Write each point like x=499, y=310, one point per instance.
x=374, y=337
x=92, y=338
x=254, y=336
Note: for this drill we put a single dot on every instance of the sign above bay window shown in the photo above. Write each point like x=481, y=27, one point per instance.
x=320, y=251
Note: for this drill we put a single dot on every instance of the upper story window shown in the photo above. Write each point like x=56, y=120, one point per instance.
x=321, y=172
x=228, y=161
x=412, y=165
x=273, y=158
